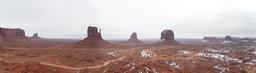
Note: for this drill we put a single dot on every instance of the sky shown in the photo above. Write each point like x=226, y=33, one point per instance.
x=119, y=18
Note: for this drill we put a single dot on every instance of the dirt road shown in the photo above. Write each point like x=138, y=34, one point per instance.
x=77, y=70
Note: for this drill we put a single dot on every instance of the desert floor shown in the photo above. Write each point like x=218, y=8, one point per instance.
x=52, y=56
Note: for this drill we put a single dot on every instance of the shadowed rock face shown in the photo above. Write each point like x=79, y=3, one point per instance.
x=92, y=32
x=168, y=36
x=10, y=34
x=134, y=38
x=94, y=39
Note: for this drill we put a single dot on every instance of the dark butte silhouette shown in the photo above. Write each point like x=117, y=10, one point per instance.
x=94, y=39
x=168, y=37
x=228, y=38
x=134, y=38
x=35, y=36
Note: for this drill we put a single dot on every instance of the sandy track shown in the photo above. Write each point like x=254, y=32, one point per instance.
x=73, y=68
x=106, y=63
x=5, y=61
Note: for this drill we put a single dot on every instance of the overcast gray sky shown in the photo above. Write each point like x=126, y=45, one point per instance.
x=119, y=18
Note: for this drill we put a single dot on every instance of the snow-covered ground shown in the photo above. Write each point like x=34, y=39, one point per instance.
x=219, y=57
x=186, y=52
x=218, y=50
x=114, y=53
x=254, y=52
x=147, y=53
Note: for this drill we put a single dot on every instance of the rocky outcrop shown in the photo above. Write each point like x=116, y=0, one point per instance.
x=94, y=39
x=35, y=36
x=168, y=37
x=134, y=38
x=92, y=32
x=12, y=34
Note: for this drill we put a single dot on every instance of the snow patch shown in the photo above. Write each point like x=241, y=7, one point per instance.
x=254, y=52
x=219, y=56
x=249, y=63
x=154, y=71
x=222, y=69
x=130, y=64
x=147, y=54
x=173, y=65
x=114, y=53
x=218, y=51
x=226, y=42
x=186, y=52
x=254, y=60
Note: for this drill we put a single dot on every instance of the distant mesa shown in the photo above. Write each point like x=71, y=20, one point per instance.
x=35, y=36
x=168, y=37
x=246, y=41
x=94, y=39
x=12, y=34
x=92, y=32
x=229, y=38
x=134, y=38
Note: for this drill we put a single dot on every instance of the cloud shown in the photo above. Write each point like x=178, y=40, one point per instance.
x=236, y=23
x=119, y=18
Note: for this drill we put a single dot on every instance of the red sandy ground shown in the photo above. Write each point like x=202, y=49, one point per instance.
x=49, y=56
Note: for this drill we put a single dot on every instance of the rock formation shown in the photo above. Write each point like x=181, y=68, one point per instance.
x=229, y=38
x=133, y=38
x=94, y=39
x=35, y=36
x=168, y=37
x=12, y=34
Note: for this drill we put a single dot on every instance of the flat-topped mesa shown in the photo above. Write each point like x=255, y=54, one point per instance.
x=94, y=39
x=168, y=37
x=92, y=32
x=134, y=38
x=12, y=34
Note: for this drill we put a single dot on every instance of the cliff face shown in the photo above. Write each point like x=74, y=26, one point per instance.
x=12, y=34
x=92, y=32
x=168, y=37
